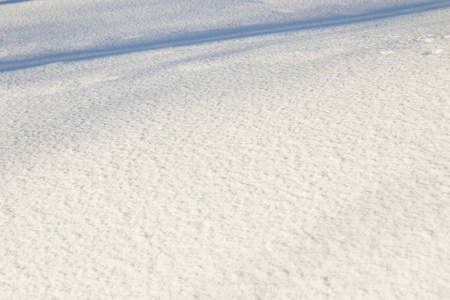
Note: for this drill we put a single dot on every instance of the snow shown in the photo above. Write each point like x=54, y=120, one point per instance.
x=234, y=149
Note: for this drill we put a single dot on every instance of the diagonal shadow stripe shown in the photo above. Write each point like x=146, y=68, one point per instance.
x=217, y=35
x=12, y=1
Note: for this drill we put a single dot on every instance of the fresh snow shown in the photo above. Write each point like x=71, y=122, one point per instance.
x=224, y=149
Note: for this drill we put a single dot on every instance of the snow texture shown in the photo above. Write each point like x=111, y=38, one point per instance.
x=224, y=149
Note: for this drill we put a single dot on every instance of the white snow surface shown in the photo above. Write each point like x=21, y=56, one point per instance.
x=224, y=149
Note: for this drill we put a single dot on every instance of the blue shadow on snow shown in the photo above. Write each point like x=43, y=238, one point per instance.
x=12, y=1
x=216, y=35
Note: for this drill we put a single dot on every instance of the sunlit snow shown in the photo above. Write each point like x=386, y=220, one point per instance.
x=224, y=149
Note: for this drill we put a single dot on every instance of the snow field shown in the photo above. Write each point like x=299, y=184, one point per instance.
x=297, y=165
